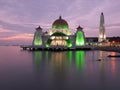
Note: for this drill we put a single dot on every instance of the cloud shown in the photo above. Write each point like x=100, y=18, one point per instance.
x=2, y=30
x=18, y=17
x=19, y=37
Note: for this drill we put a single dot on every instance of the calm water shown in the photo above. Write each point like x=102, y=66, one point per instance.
x=25, y=70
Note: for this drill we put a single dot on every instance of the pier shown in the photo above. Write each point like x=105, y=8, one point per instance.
x=61, y=48
x=54, y=48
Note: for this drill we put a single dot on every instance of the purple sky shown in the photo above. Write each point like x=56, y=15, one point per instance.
x=19, y=18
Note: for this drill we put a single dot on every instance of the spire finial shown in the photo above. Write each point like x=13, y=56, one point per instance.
x=60, y=17
x=79, y=27
x=102, y=13
x=38, y=28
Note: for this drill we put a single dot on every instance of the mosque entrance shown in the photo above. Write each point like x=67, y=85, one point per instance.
x=59, y=39
x=58, y=43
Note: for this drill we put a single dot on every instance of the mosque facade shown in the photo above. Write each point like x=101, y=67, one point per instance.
x=60, y=35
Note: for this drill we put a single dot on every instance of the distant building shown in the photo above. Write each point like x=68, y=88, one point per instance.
x=111, y=41
x=59, y=36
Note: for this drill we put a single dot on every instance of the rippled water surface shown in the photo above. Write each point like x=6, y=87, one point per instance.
x=67, y=70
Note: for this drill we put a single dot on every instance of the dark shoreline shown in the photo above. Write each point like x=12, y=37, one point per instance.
x=107, y=48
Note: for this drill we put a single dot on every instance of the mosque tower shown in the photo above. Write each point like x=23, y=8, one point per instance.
x=37, y=41
x=102, y=35
x=80, y=37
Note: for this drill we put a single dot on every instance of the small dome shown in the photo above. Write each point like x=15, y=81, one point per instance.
x=60, y=24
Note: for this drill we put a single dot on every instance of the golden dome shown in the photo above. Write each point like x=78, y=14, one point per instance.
x=60, y=24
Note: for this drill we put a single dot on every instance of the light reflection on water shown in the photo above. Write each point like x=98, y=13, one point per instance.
x=59, y=60
x=58, y=70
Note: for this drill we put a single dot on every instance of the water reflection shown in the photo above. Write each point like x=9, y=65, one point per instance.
x=113, y=66
x=59, y=60
x=102, y=67
x=80, y=59
x=58, y=70
x=59, y=65
x=56, y=66
x=101, y=55
x=70, y=57
x=102, y=63
x=62, y=69
x=37, y=60
x=113, y=63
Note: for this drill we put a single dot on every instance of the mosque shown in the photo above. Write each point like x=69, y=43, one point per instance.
x=60, y=36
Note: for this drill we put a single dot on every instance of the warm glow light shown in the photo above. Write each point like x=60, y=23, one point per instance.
x=101, y=36
x=53, y=37
x=113, y=41
x=58, y=43
x=113, y=53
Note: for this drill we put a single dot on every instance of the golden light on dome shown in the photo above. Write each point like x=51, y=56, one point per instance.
x=60, y=24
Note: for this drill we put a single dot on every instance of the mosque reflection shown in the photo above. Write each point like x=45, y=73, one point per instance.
x=59, y=64
x=59, y=61
x=80, y=59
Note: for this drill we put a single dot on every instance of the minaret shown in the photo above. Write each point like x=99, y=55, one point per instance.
x=80, y=37
x=37, y=41
x=102, y=35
